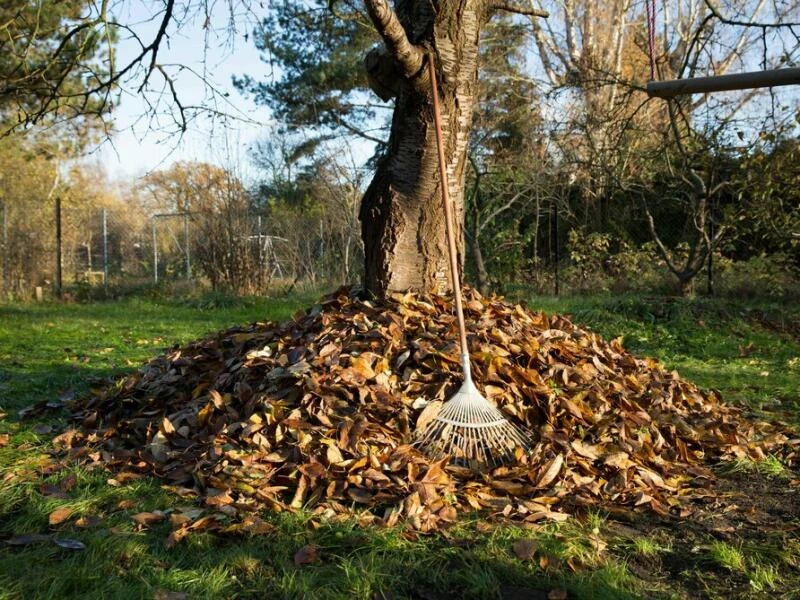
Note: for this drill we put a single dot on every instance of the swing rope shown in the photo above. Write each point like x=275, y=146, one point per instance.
x=650, y=8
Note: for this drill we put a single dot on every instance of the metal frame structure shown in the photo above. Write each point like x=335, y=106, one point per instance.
x=724, y=83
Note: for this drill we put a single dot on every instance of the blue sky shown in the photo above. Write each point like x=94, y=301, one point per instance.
x=139, y=147
x=218, y=53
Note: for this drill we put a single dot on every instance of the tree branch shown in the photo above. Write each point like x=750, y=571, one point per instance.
x=662, y=250
x=752, y=23
x=519, y=10
x=394, y=36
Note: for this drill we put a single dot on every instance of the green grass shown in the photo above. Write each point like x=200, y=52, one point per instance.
x=648, y=546
x=716, y=343
x=50, y=350
x=770, y=467
x=726, y=556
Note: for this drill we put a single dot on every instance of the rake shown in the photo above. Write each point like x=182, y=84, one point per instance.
x=468, y=428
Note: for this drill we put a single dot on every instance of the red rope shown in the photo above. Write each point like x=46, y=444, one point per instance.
x=650, y=7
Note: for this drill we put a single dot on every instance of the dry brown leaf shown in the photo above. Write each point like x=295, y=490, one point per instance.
x=428, y=414
x=306, y=555
x=585, y=450
x=59, y=515
x=551, y=472
x=53, y=491
x=620, y=460
x=525, y=549
x=359, y=495
x=333, y=455
x=148, y=518
x=88, y=521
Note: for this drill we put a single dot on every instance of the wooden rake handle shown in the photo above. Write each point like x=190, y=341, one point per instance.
x=448, y=221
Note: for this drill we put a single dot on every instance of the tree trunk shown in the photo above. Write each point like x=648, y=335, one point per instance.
x=402, y=219
x=481, y=274
x=686, y=285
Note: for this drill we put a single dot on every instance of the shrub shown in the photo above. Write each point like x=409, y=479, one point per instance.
x=774, y=276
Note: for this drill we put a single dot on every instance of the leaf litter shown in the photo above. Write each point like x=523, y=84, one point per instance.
x=319, y=413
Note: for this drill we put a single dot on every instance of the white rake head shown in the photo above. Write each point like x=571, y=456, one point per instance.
x=470, y=429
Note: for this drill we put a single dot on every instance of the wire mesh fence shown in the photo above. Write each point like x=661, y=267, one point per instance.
x=74, y=249
x=100, y=246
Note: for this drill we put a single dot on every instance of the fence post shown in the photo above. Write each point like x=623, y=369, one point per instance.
x=186, y=235
x=6, y=266
x=555, y=247
x=105, y=249
x=155, y=252
x=711, y=234
x=262, y=269
x=58, y=248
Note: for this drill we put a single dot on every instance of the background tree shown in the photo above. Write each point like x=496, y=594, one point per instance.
x=51, y=59
x=506, y=140
x=768, y=184
x=402, y=222
x=59, y=63
x=309, y=196
x=224, y=235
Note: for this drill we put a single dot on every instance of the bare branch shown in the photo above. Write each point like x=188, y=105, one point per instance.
x=662, y=249
x=519, y=10
x=394, y=36
x=175, y=98
x=156, y=43
x=752, y=23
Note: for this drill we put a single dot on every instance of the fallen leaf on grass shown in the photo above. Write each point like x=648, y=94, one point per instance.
x=69, y=482
x=148, y=518
x=88, y=521
x=59, y=515
x=5, y=439
x=168, y=595
x=250, y=525
x=525, y=549
x=307, y=555
x=53, y=491
x=175, y=537
x=122, y=478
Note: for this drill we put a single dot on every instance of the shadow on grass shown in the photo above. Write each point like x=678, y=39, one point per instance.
x=22, y=387
x=353, y=562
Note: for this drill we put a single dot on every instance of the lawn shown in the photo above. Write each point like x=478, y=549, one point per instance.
x=749, y=352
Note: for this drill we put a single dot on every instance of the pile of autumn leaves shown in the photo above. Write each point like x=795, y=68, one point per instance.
x=319, y=413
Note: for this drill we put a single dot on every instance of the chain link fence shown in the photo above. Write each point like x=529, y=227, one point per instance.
x=67, y=250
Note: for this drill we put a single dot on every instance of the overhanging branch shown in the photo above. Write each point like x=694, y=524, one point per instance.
x=519, y=10
x=409, y=56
